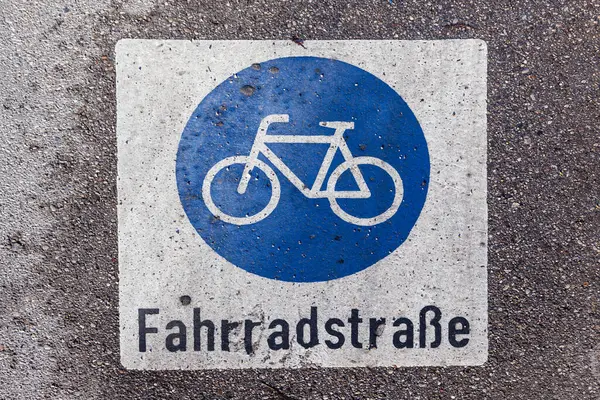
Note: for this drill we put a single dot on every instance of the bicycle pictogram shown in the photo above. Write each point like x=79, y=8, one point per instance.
x=336, y=142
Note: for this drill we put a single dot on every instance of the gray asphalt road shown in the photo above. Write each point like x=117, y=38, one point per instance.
x=58, y=236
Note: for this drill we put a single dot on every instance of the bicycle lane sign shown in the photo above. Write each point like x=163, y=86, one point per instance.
x=299, y=209
x=363, y=163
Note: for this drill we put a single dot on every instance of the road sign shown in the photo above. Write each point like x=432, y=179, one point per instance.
x=288, y=206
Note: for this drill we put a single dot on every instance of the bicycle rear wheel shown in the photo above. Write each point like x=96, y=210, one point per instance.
x=354, y=163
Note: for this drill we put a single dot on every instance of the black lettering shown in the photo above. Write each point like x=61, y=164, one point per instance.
x=180, y=336
x=435, y=322
x=374, y=331
x=312, y=325
x=337, y=334
x=142, y=329
x=408, y=333
x=248, y=326
x=284, y=335
x=354, y=320
x=210, y=331
x=226, y=328
x=453, y=331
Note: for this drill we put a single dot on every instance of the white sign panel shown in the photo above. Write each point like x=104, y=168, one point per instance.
x=286, y=205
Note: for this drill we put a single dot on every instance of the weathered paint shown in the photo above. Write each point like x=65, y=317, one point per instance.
x=392, y=233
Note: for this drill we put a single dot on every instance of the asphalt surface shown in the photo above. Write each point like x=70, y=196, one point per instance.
x=58, y=235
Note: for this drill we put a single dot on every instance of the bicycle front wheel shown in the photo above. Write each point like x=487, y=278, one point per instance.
x=248, y=219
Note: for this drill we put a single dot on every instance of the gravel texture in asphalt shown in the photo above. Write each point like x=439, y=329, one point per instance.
x=58, y=236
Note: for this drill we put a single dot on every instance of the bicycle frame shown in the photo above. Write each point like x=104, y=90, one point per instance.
x=335, y=141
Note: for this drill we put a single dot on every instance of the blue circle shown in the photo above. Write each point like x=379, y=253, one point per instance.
x=302, y=239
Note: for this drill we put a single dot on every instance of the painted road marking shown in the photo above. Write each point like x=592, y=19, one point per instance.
x=322, y=124
x=320, y=206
